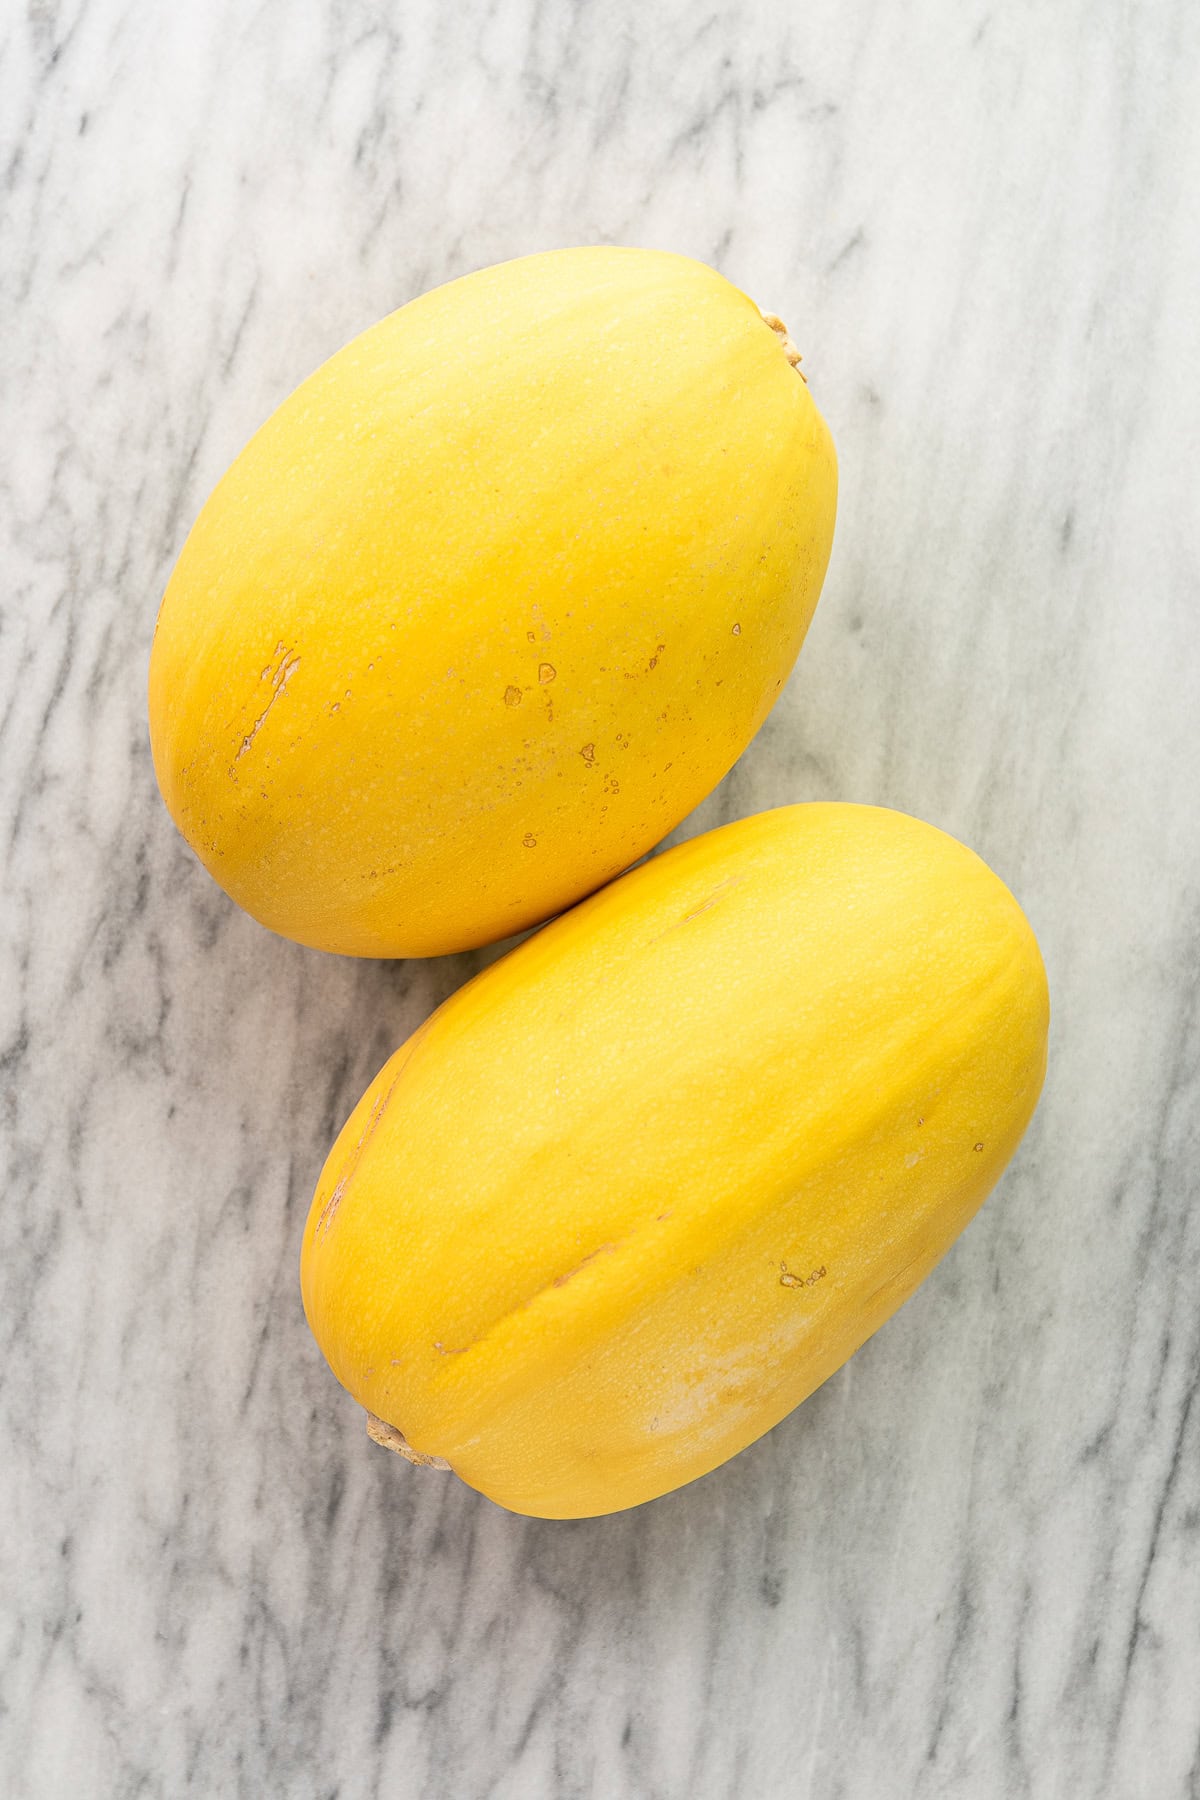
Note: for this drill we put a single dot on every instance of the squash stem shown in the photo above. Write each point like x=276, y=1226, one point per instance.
x=380, y=1432
x=785, y=342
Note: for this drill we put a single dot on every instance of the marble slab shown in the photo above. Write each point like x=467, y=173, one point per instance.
x=970, y=1565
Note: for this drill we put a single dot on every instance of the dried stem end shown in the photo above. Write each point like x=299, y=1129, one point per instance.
x=380, y=1432
x=785, y=343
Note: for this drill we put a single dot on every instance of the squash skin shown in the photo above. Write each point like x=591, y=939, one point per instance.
x=491, y=602
x=634, y=1192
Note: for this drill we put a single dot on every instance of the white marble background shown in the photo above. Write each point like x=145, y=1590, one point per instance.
x=971, y=1564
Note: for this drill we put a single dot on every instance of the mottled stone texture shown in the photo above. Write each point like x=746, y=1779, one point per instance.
x=969, y=1566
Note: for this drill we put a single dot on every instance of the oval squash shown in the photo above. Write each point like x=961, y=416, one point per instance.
x=491, y=602
x=643, y=1184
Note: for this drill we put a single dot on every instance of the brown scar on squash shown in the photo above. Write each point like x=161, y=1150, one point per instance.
x=718, y=892
x=328, y=1211
x=330, y=1207
x=557, y=1282
x=568, y=1274
x=382, y=1102
x=279, y=678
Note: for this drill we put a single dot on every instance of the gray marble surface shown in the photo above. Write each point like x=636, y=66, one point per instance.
x=971, y=1564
